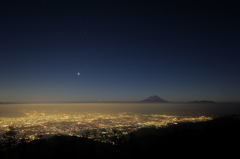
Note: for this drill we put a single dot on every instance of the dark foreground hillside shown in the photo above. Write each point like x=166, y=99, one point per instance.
x=216, y=138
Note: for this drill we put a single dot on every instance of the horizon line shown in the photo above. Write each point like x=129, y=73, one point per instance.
x=168, y=102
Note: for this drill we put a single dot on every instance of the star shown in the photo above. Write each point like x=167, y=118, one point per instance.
x=78, y=73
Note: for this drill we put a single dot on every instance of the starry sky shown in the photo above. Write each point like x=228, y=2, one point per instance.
x=124, y=50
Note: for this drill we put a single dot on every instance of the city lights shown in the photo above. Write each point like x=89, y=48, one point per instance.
x=98, y=126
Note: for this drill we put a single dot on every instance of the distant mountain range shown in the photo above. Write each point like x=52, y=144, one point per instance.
x=202, y=102
x=157, y=99
x=154, y=99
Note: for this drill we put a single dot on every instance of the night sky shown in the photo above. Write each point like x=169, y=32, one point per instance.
x=124, y=50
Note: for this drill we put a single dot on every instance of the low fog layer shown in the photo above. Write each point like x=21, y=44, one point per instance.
x=16, y=110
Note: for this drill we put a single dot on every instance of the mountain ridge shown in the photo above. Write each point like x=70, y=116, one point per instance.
x=154, y=99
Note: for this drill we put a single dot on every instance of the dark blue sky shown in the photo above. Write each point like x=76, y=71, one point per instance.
x=124, y=51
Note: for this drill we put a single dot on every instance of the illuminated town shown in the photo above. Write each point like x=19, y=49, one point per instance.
x=98, y=126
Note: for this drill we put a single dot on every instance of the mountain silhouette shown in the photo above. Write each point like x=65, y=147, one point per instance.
x=154, y=99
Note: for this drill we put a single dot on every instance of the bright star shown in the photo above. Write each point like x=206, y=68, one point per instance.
x=78, y=74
